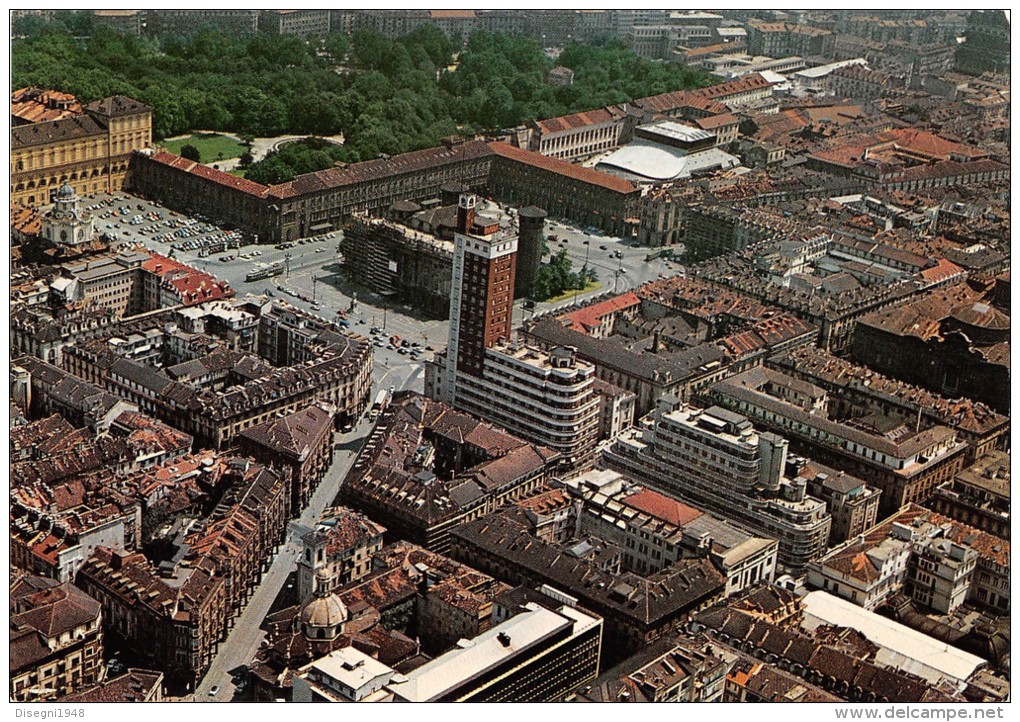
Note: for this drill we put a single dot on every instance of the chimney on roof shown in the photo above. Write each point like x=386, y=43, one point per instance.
x=466, y=212
x=504, y=639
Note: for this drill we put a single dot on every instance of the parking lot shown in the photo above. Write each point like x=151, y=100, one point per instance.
x=311, y=278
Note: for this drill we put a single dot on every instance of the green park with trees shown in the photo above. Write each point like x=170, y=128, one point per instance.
x=385, y=95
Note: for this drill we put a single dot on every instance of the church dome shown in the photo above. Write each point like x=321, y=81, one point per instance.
x=66, y=192
x=324, y=615
x=981, y=315
x=324, y=612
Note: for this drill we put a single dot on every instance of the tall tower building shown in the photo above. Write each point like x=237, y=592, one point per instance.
x=481, y=295
x=531, y=240
x=547, y=398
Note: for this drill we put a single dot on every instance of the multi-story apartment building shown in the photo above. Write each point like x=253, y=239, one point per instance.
x=859, y=83
x=427, y=468
x=649, y=376
x=637, y=609
x=670, y=670
x=936, y=560
x=175, y=613
x=303, y=23
x=717, y=460
x=547, y=398
x=300, y=445
x=655, y=531
x=342, y=544
x=852, y=504
x=979, y=495
x=940, y=573
x=56, y=640
x=855, y=390
x=481, y=295
x=905, y=465
x=56, y=140
x=540, y=654
x=310, y=361
x=185, y=22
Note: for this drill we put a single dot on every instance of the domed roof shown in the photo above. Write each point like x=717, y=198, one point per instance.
x=981, y=315
x=324, y=612
x=65, y=191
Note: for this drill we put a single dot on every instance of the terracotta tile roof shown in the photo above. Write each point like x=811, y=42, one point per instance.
x=293, y=435
x=345, y=529
x=405, y=163
x=563, y=168
x=32, y=105
x=922, y=316
x=192, y=285
x=590, y=317
x=943, y=270
x=577, y=120
x=744, y=84
x=717, y=121
x=854, y=559
x=210, y=174
x=663, y=507
x=135, y=685
x=890, y=144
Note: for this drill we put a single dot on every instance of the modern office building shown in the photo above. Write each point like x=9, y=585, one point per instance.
x=538, y=655
x=717, y=460
x=905, y=463
x=547, y=398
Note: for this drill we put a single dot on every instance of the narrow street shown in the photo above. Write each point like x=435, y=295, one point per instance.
x=245, y=637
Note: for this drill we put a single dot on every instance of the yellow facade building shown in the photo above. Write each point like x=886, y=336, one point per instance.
x=56, y=140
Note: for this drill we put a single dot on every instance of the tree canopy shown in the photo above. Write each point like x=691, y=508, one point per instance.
x=384, y=95
x=556, y=277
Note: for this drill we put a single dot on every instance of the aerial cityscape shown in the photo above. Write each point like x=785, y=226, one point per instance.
x=510, y=356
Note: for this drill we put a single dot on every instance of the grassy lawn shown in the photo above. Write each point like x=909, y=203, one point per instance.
x=592, y=285
x=212, y=147
x=239, y=173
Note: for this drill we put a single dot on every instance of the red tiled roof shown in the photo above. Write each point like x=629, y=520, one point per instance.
x=734, y=87
x=211, y=174
x=942, y=271
x=26, y=220
x=192, y=285
x=662, y=507
x=379, y=168
x=31, y=105
x=590, y=317
x=577, y=120
x=717, y=121
x=562, y=167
